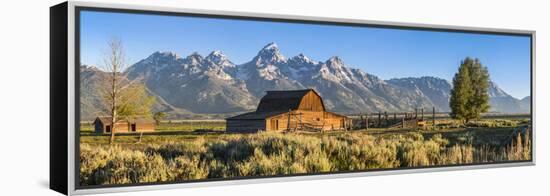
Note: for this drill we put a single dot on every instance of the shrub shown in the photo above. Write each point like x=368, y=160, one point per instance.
x=277, y=154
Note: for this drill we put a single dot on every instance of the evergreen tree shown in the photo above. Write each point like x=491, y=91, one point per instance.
x=460, y=93
x=470, y=93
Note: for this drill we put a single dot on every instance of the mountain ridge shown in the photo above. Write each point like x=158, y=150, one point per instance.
x=213, y=84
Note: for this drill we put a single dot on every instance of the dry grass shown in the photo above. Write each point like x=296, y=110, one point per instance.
x=278, y=154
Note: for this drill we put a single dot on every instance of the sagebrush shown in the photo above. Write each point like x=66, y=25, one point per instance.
x=278, y=154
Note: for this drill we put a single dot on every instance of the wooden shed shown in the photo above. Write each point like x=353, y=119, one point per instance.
x=104, y=125
x=288, y=111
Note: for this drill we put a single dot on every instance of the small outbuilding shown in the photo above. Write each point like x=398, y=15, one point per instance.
x=104, y=125
x=288, y=111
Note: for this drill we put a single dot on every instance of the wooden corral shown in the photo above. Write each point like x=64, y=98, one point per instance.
x=409, y=120
x=289, y=111
x=104, y=125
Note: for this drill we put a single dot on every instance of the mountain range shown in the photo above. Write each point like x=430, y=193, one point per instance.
x=214, y=85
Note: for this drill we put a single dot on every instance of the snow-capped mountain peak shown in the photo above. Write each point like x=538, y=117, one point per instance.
x=162, y=56
x=335, y=70
x=269, y=54
x=301, y=59
x=300, y=66
x=166, y=54
x=194, y=58
x=335, y=60
x=212, y=84
x=216, y=55
x=271, y=46
x=156, y=62
x=219, y=58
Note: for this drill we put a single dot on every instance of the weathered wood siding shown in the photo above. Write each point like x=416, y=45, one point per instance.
x=289, y=110
x=145, y=127
x=245, y=126
x=120, y=127
x=311, y=102
x=125, y=127
x=279, y=122
x=336, y=122
x=300, y=119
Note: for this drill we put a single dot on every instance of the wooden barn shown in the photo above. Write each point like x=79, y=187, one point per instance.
x=288, y=111
x=104, y=125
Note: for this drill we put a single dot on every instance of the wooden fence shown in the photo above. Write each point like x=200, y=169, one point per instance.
x=409, y=120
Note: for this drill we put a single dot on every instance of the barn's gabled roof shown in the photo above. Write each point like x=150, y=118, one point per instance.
x=282, y=100
x=103, y=119
x=255, y=115
x=107, y=120
x=141, y=120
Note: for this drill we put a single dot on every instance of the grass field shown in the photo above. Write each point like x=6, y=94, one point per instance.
x=180, y=151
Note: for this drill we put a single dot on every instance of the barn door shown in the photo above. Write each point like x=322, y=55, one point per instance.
x=274, y=124
x=133, y=127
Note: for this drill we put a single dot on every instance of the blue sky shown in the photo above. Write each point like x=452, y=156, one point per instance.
x=387, y=53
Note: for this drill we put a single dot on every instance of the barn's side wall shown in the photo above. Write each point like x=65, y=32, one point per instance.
x=280, y=122
x=145, y=127
x=335, y=122
x=121, y=127
x=317, y=119
x=125, y=127
x=245, y=126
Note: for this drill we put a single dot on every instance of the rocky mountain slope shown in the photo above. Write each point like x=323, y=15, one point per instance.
x=213, y=84
x=438, y=90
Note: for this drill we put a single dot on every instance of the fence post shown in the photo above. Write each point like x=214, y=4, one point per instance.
x=385, y=118
x=367, y=121
x=403, y=122
x=288, y=121
x=422, y=116
x=360, y=120
x=433, y=117
x=379, y=119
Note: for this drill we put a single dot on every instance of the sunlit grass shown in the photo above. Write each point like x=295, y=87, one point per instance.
x=190, y=156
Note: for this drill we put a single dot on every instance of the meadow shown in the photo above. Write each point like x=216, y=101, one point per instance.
x=169, y=155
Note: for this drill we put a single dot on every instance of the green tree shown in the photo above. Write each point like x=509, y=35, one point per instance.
x=126, y=99
x=158, y=116
x=470, y=92
x=135, y=102
x=461, y=93
x=479, y=102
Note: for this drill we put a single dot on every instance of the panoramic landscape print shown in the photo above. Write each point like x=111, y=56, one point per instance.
x=168, y=99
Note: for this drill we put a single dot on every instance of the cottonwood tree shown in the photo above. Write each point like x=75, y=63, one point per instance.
x=125, y=98
x=159, y=116
x=470, y=92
